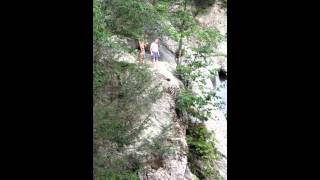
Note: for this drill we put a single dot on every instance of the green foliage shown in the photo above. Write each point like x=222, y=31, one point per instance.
x=115, y=168
x=197, y=139
x=102, y=34
x=188, y=71
x=117, y=111
x=204, y=50
x=99, y=77
x=130, y=17
x=162, y=7
x=210, y=35
x=183, y=20
x=202, y=147
x=171, y=32
x=194, y=105
x=123, y=93
x=99, y=33
x=184, y=72
x=208, y=39
x=185, y=100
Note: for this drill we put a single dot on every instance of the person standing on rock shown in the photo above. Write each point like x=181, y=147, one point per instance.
x=142, y=51
x=154, y=50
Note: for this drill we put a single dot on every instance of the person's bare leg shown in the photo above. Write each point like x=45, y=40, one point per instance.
x=153, y=62
x=142, y=58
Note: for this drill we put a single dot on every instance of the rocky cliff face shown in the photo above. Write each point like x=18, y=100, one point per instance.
x=167, y=129
x=162, y=145
x=215, y=16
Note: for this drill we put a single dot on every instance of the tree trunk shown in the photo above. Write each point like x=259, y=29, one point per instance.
x=180, y=49
x=179, y=53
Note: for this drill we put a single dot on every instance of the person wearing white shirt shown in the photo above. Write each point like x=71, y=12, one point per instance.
x=154, y=50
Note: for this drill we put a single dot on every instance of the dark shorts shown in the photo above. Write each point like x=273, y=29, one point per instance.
x=155, y=55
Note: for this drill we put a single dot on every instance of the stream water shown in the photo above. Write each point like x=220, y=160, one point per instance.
x=220, y=84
